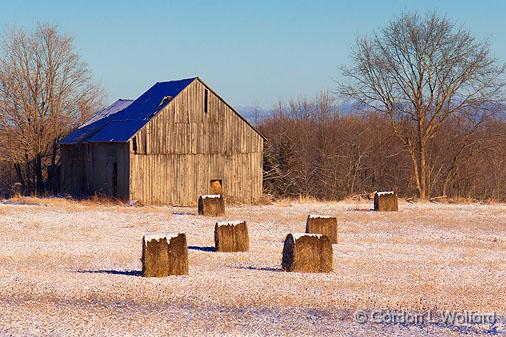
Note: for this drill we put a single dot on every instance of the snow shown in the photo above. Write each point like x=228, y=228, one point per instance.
x=385, y=193
x=211, y=196
x=71, y=269
x=299, y=235
x=158, y=236
x=315, y=216
x=228, y=223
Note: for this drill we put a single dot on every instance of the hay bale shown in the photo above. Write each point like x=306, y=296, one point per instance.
x=164, y=254
x=231, y=236
x=386, y=201
x=322, y=224
x=212, y=205
x=307, y=253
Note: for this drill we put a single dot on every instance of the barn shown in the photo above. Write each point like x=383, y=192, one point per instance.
x=177, y=141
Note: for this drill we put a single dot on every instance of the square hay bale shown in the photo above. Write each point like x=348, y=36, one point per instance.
x=386, y=201
x=231, y=236
x=322, y=224
x=164, y=254
x=307, y=253
x=212, y=205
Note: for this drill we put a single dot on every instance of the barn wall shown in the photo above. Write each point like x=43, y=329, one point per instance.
x=88, y=169
x=176, y=155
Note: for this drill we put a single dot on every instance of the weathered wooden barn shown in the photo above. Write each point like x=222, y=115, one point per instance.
x=175, y=142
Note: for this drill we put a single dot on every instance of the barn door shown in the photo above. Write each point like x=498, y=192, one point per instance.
x=216, y=187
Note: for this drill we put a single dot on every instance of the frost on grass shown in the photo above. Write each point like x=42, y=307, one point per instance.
x=74, y=271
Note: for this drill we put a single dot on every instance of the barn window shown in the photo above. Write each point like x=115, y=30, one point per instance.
x=134, y=144
x=206, y=101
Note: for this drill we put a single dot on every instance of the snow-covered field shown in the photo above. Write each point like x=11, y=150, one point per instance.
x=72, y=268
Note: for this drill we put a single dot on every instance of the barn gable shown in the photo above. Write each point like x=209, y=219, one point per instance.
x=188, y=121
x=197, y=135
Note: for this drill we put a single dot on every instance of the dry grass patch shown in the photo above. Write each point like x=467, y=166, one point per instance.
x=4, y=210
x=92, y=203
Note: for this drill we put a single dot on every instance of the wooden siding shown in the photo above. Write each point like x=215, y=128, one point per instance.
x=87, y=169
x=176, y=155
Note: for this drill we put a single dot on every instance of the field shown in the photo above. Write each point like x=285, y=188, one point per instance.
x=73, y=268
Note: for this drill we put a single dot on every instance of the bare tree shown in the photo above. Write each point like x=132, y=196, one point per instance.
x=419, y=71
x=45, y=91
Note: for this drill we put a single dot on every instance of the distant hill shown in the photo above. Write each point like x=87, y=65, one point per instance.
x=253, y=114
x=256, y=114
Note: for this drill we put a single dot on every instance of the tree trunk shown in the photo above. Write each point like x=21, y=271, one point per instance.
x=422, y=149
x=19, y=173
x=416, y=171
x=52, y=176
x=39, y=176
x=423, y=170
x=28, y=178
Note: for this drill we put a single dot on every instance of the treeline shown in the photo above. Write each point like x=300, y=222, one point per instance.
x=315, y=150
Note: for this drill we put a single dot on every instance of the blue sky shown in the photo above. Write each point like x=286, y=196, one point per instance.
x=251, y=52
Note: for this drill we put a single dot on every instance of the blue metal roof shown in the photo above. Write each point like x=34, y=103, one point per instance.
x=120, y=121
x=115, y=107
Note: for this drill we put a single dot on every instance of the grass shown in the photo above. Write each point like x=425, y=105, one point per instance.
x=80, y=205
x=69, y=268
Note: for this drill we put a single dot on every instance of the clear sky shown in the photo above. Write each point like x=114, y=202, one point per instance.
x=252, y=52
